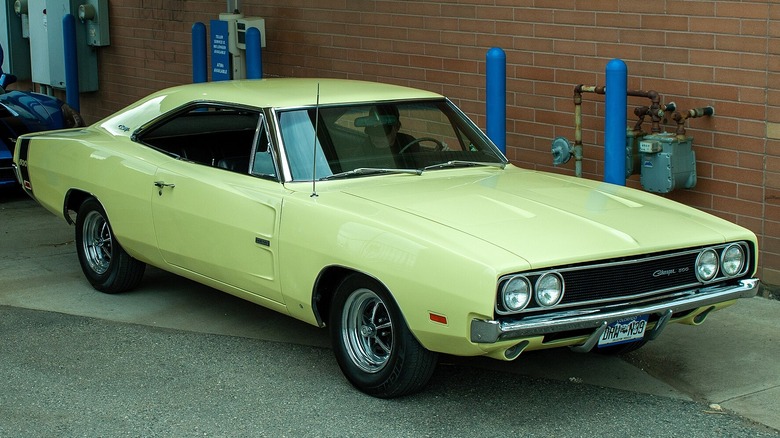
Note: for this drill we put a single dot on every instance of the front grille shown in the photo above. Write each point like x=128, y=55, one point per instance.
x=630, y=279
x=615, y=281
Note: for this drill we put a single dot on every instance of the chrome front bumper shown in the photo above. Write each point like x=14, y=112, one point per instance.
x=488, y=332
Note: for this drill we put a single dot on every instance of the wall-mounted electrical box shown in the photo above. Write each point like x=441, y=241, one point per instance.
x=16, y=47
x=94, y=13
x=47, y=45
x=246, y=23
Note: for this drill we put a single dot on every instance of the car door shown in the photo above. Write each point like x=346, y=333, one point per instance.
x=218, y=219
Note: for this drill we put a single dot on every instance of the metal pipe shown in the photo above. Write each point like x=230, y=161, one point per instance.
x=693, y=113
x=655, y=107
x=578, y=90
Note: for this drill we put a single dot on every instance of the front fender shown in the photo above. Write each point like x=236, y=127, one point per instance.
x=440, y=278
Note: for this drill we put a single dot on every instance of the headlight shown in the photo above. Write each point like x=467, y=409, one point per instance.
x=549, y=289
x=516, y=294
x=707, y=265
x=733, y=260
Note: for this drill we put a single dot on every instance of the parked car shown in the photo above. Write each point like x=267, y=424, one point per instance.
x=385, y=215
x=22, y=112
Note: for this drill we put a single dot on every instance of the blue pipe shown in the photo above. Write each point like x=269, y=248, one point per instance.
x=495, y=99
x=615, y=122
x=71, y=62
x=200, y=70
x=254, y=54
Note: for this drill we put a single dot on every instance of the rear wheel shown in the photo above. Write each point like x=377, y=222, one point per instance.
x=104, y=262
x=373, y=346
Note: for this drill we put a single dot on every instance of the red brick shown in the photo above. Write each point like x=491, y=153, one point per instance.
x=691, y=8
x=741, y=10
x=665, y=22
x=620, y=20
x=740, y=43
x=750, y=193
x=723, y=25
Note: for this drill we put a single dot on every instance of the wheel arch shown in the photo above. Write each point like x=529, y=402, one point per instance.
x=325, y=287
x=73, y=200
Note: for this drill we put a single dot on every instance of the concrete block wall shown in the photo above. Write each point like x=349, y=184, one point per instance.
x=696, y=53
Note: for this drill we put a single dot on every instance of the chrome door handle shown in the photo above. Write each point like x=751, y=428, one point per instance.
x=161, y=185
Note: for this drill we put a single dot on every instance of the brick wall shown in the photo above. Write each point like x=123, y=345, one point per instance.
x=695, y=53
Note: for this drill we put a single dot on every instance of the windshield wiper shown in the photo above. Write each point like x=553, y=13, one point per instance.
x=368, y=171
x=462, y=163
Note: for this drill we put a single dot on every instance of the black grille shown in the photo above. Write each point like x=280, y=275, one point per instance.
x=629, y=279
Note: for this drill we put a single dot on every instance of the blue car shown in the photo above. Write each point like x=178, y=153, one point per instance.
x=22, y=112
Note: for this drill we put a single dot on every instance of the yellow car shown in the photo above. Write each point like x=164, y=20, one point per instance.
x=384, y=214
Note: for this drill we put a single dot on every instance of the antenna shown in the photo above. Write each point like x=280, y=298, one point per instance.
x=314, y=148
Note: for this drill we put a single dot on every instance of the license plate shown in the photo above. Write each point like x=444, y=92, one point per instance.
x=624, y=330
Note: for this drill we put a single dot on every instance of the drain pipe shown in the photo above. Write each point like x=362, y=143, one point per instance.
x=615, y=123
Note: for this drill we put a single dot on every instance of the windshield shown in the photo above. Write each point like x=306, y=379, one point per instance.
x=386, y=137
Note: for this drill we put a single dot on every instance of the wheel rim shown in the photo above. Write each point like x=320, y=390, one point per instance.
x=97, y=242
x=367, y=330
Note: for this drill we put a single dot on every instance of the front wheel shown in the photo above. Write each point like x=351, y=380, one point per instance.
x=373, y=346
x=104, y=262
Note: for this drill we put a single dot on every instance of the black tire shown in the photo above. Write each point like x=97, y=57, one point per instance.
x=622, y=348
x=105, y=264
x=373, y=345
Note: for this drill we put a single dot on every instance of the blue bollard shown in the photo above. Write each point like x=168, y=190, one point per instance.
x=254, y=54
x=200, y=70
x=495, y=99
x=71, y=62
x=615, y=122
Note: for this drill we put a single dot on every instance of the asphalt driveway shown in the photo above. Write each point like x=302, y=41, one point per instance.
x=175, y=358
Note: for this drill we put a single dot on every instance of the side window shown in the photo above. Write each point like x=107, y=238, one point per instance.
x=304, y=152
x=211, y=135
x=263, y=160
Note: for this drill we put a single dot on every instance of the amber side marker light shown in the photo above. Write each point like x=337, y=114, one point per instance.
x=441, y=319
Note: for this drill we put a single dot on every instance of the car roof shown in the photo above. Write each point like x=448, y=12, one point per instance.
x=293, y=92
x=260, y=93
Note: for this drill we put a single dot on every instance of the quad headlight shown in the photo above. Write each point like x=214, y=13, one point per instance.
x=732, y=260
x=549, y=289
x=707, y=265
x=516, y=294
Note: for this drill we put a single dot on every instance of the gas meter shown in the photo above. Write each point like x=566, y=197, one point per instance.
x=667, y=162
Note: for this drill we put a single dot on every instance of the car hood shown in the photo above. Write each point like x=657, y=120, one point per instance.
x=548, y=219
x=35, y=112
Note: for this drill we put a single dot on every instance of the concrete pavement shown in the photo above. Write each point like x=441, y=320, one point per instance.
x=730, y=361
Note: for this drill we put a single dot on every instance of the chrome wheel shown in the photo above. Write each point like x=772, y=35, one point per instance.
x=97, y=242
x=367, y=330
x=374, y=347
x=107, y=266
